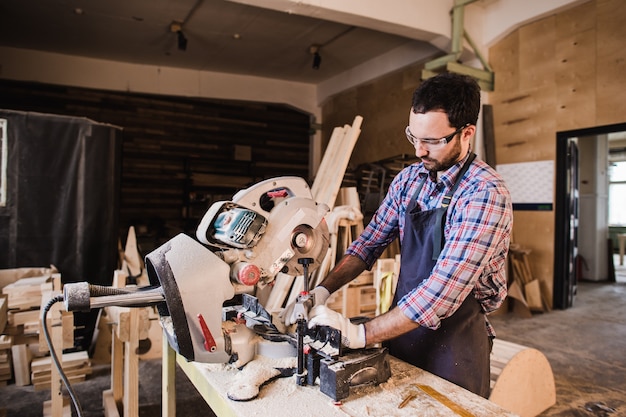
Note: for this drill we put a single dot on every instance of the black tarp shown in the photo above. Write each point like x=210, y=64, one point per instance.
x=62, y=196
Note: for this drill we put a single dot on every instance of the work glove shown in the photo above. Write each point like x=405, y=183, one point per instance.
x=290, y=314
x=352, y=335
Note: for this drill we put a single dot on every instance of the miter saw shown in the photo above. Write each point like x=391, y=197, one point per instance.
x=274, y=226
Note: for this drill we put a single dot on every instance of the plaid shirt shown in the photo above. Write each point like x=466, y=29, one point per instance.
x=477, y=233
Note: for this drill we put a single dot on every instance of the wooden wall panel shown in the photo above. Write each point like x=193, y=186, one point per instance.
x=611, y=61
x=535, y=231
x=536, y=54
x=179, y=154
x=505, y=57
x=576, y=68
x=571, y=70
x=575, y=81
x=384, y=104
x=524, y=125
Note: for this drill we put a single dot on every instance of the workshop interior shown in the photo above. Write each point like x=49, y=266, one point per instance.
x=175, y=174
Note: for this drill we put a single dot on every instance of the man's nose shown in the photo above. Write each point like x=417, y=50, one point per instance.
x=420, y=150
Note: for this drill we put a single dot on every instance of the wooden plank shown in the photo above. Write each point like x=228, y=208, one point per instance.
x=5, y=341
x=70, y=360
x=117, y=368
x=4, y=308
x=168, y=380
x=109, y=405
x=21, y=364
x=335, y=161
x=17, y=317
x=67, y=410
x=25, y=293
x=122, y=317
x=131, y=367
x=56, y=385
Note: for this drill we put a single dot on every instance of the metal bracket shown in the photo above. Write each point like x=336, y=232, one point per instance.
x=450, y=62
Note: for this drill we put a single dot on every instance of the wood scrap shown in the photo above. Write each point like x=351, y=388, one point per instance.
x=335, y=161
x=521, y=379
x=5, y=358
x=4, y=309
x=121, y=316
x=523, y=278
x=21, y=364
x=25, y=293
x=76, y=366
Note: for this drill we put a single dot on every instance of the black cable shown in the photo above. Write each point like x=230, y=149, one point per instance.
x=55, y=359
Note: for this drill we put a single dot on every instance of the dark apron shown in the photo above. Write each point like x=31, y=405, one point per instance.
x=459, y=350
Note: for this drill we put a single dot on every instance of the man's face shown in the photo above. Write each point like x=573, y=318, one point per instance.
x=434, y=125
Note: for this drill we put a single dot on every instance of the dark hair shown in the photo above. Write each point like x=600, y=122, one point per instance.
x=457, y=95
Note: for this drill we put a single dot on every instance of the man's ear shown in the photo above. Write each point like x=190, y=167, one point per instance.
x=468, y=132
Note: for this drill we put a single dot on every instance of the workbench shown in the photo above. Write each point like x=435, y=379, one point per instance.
x=282, y=397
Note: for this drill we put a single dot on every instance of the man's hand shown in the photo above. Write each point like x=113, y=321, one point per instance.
x=290, y=314
x=352, y=335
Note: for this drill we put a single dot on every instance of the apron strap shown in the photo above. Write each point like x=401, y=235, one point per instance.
x=438, y=235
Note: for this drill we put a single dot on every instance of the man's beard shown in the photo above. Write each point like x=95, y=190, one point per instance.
x=450, y=159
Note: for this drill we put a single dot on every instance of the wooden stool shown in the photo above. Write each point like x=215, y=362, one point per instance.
x=521, y=379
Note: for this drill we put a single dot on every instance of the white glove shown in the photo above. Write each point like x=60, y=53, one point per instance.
x=290, y=314
x=352, y=335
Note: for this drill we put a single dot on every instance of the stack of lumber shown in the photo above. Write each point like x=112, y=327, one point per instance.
x=23, y=299
x=356, y=299
x=5, y=359
x=76, y=366
x=22, y=342
x=523, y=286
x=335, y=161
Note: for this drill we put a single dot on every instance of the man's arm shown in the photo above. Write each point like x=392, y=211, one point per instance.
x=348, y=268
x=391, y=324
x=387, y=326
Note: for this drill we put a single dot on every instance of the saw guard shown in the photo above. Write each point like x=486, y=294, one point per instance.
x=194, y=281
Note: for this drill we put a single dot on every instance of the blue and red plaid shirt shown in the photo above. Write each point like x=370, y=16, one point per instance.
x=477, y=234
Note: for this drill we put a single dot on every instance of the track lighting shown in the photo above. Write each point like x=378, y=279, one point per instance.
x=182, y=41
x=177, y=28
x=317, y=58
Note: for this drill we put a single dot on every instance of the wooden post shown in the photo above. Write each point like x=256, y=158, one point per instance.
x=56, y=393
x=117, y=368
x=131, y=367
x=168, y=380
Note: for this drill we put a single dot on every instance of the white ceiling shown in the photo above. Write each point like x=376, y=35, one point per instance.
x=222, y=36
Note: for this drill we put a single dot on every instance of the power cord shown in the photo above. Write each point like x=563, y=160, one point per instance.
x=55, y=359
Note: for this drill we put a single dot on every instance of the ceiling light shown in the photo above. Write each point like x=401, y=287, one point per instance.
x=317, y=58
x=177, y=27
x=182, y=41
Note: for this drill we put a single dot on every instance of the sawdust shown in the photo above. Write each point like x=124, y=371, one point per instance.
x=283, y=397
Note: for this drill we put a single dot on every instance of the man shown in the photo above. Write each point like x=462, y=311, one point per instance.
x=453, y=216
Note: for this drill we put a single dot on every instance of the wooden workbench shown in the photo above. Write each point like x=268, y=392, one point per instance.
x=283, y=397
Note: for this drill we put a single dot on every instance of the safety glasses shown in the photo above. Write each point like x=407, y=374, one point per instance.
x=432, y=144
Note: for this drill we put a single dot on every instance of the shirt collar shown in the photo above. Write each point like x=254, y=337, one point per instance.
x=448, y=177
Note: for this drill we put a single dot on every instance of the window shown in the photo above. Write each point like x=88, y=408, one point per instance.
x=617, y=194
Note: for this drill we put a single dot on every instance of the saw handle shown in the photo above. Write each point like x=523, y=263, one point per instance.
x=209, y=341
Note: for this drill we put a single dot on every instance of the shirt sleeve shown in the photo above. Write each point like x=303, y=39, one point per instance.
x=384, y=226
x=473, y=258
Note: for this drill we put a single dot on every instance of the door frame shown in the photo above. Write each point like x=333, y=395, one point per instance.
x=564, y=281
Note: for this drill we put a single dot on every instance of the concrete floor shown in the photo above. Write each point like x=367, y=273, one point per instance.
x=585, y=345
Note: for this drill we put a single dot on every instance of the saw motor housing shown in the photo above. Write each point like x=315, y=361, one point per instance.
x=264, y=230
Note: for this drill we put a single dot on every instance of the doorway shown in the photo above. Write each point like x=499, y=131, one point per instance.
x=567, y=262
